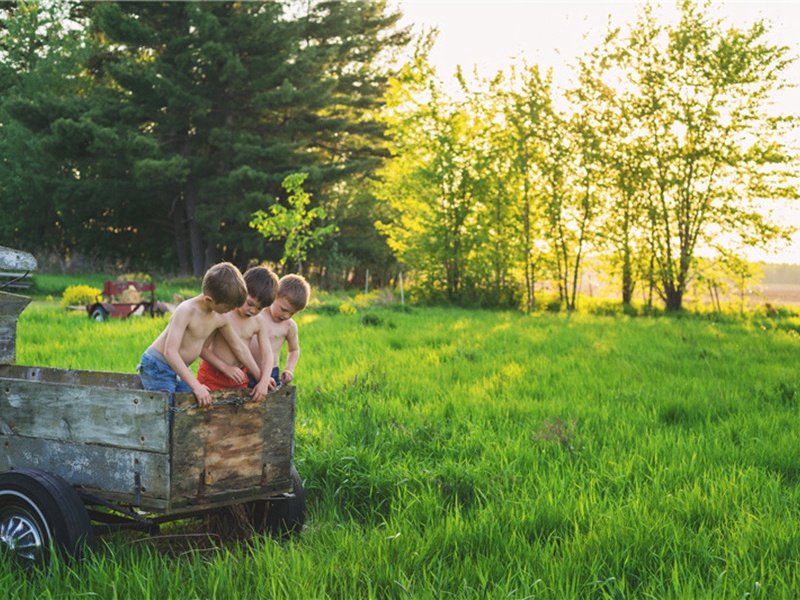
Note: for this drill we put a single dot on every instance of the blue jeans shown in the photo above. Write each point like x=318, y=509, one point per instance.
x=158, y=376
x=276, y=375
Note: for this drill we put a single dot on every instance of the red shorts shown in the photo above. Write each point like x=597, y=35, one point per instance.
x=214, y=379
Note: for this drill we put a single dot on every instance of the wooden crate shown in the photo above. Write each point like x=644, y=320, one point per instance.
x=102, y=431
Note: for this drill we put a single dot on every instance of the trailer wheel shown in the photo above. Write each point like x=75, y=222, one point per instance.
x=41, y=512
x=285, y=515
x=98, y=314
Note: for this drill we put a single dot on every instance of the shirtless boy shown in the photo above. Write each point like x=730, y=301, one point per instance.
x=220, y=368
x=165, y=364
x=292, y=297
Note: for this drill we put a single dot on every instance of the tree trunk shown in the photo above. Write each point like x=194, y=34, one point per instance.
x=195, y=238
x=179, y=229
x=627, y=282
x=674, y=299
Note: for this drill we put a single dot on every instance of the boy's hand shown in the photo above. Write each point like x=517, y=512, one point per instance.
x=259, y=392
x=236, y=374
x=203, y=396
x=287, y=376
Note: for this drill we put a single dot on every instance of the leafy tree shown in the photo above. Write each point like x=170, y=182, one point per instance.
x=622, y=218
x=431, y=183
x=710, y=146
x=525, y=101
x=295, y=224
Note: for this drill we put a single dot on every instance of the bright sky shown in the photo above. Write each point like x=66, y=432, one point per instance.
x=490, y=34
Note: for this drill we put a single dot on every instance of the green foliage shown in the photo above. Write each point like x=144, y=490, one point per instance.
x=76, y=295
x=151, y=132
x=295, y=225
x=666, y=144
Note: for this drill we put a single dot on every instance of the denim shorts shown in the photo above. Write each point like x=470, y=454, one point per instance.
x=276, y=375
x=158, y=376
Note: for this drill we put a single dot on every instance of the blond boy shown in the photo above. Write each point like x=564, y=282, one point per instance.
x=220, y=368
x=292, y=297
x=165, y=364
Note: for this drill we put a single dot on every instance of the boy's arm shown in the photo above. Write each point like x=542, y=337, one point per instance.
x=293, y=354
x=177, y=328
x=220, y=365
x=266, y=383
x=240, y=350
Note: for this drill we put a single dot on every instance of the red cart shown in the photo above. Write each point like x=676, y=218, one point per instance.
x=111, y=307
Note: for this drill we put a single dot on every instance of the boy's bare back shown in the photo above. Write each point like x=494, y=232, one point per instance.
x=190, y=326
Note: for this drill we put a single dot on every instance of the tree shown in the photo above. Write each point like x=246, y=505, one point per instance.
x=295, y=224
x=431, y=183
x=709, y=144
x=525, y=102
x=41, y=53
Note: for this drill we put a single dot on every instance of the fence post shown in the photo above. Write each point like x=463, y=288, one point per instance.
x=402, y=299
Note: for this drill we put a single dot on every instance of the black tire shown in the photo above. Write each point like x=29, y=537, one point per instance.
x=40, y=512
x=98, y=314
x=284, y=515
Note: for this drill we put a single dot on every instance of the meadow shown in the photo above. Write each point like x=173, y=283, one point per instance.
x=450, y=453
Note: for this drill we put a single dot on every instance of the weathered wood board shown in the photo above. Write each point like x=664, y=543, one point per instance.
x=126, y=381
x=112, y=473
x=131, y=419
x=113, y=440
x=230, y=449
x=11, y=305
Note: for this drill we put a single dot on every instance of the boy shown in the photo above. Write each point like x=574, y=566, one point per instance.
x=292, y=297
x=220, y=368
x=165, y=364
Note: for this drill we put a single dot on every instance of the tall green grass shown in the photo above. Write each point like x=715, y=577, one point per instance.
x=466, y=454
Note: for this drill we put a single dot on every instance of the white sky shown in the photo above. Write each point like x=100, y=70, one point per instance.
x=490, y=34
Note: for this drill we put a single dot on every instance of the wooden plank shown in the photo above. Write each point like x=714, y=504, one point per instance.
x=16, y=260
x=231, y=446
x=133, y=419
x=8, y=340
x=11, y=305
x=127, y=381
x=109, y=472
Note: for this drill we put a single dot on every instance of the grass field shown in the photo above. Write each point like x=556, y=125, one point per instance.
x=462, y=454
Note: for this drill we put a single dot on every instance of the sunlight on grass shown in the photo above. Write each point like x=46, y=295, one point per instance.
x=484, y=454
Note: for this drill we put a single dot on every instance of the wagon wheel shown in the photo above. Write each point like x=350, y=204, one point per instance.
x=280, y=516
x=40, y=512
x=98, y=314
x=285, y=515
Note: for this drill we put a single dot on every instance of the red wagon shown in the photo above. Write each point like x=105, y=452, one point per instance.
x=111, y=306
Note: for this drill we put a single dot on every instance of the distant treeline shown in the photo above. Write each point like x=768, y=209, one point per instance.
x=144, y=135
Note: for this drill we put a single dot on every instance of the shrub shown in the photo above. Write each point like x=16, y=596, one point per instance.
x=347, y=309
x=79, y=294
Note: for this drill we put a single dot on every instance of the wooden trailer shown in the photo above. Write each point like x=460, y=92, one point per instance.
x=83, y=452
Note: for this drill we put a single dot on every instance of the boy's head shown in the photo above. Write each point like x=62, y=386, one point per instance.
x=262, y=285
x=224, y=284
x=292, y=297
